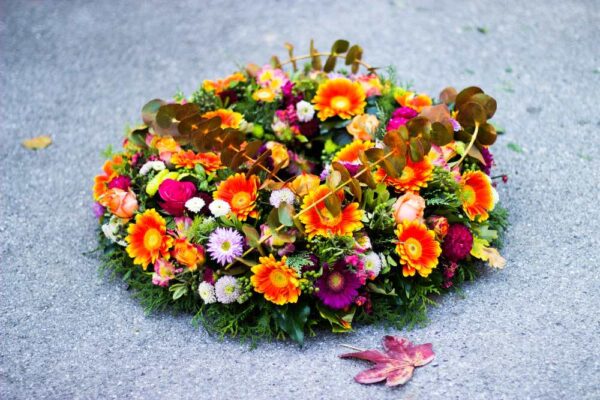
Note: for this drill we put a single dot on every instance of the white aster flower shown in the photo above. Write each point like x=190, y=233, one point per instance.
x=305, y=111
x=227, y=289
x=284, y=195
x=149, y=165
x=372, y=264
x=219, y=208
x=195, y=204
x=207, y=292
x=278, y=126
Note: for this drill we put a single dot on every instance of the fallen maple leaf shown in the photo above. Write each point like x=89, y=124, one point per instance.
x=36, y=143
x=396, y=365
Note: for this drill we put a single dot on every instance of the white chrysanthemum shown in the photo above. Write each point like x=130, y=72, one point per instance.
x=305, y=111
x=111, y=231
x=207, y=292
x=372, y=264
x=195, y=204
x=227, y=289
x=219, y=208
x=284, y=195
x=278, y=125
x=155, y=165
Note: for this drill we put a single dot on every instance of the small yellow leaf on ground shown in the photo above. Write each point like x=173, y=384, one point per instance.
x=37, y=143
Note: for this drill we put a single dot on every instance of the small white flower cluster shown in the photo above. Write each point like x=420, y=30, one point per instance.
x=284, y=195
x=152, y=165
x=372, y=264
x=219, y=208
x=207, y=292
x=111, y=231
x=195, y=204
x=305, y=111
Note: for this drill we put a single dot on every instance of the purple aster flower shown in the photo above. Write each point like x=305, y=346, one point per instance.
x=338, y=286
x=98, y=210
x=225, y=245
x=457, y=243
x=489, y=160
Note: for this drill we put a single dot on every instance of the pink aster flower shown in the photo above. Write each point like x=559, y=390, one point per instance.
x=225, y=245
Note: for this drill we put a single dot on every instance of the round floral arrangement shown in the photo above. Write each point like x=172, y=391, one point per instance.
x=284, y=197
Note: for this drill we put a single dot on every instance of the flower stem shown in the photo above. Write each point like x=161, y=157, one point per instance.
x=352, y=347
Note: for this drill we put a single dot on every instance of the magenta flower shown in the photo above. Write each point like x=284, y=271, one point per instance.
x=401, y=117
x=174, y=195
x=338, y=286
x=120, y=182
x=457, y=243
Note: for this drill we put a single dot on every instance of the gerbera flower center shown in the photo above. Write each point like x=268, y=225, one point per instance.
x=407, y=173
x=152, y=239
x=278, y=279
x=340, y=103
x=468, y=195
x=328, y=219
x=336, y=281
x=413, y=248
x=241, y=200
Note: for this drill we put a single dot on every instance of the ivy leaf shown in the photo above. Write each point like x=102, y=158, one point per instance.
x=396, y=365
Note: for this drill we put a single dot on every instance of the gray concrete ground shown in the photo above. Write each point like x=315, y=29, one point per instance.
x=79, y=71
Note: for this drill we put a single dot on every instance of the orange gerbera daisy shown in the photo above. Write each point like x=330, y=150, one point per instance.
x=477, y=195
x=415, y=175
x=240, y=192
x=188, y=159
x=339, y=96
x=220, y=85
x=417, y=248
x=229, y=119
x=415, y=101
x=101, y=181
x=349, y=153
x=278, y=282
x=148, y=239
x=319, y=221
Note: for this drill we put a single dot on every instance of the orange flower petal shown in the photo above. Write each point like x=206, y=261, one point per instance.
x=417, y=248
x=341, y=97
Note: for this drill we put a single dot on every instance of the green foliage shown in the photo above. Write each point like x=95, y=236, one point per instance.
x=498, y=220
x=331, y=249
x=207, y=101
x=299, y=260
x=201, y=228
x=442, y=191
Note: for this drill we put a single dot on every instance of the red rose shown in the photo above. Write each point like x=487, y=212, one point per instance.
x=174, y=195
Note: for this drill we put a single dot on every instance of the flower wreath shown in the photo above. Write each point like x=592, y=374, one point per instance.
x=272, y=201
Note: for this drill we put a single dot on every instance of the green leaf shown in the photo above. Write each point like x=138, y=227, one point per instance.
x=341, y=321
x=285, y=213
x=292, y=319
x=340, y=46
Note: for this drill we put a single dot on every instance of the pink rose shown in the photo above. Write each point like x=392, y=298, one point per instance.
x=174, y=195
x=409, y=207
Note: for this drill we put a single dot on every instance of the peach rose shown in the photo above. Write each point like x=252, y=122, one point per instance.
x=305, y=183
x=408, y=207
x=279, y=154
x=121, y=203
x=363, y=127
x=188, y=254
